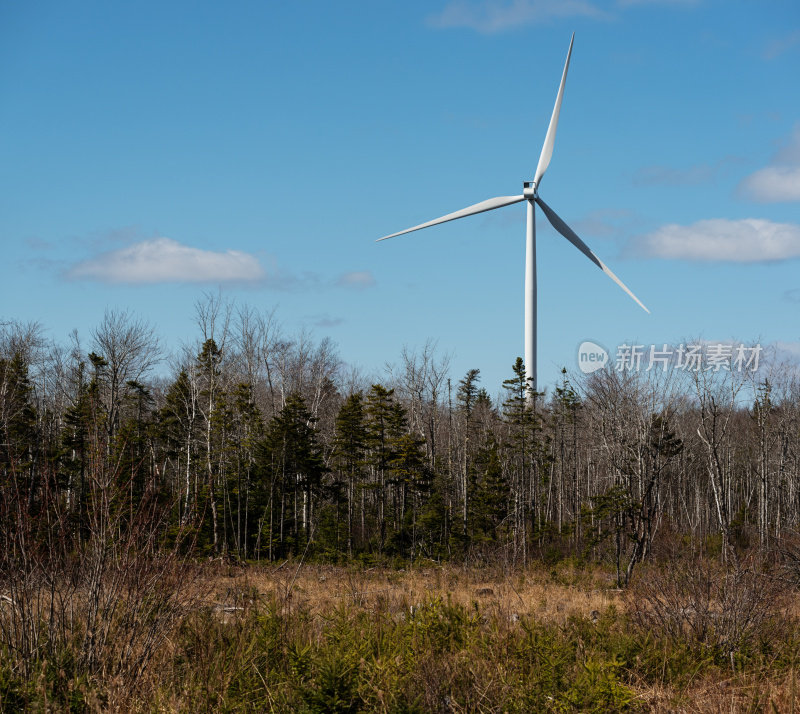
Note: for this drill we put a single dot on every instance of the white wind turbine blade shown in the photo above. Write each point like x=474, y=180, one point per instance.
x=550, y=139
x=488, y=205
x=572, y=237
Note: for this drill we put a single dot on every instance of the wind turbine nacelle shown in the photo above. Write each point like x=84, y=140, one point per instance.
x=529, y=190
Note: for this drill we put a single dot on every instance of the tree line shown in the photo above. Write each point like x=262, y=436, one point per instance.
x=259, y=445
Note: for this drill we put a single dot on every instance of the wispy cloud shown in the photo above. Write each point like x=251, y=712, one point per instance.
x=780, y=180
x=750, y=240
x=39, y=245
x=668, y=176
x=786, y=351
x=779, y=45
x=789, y=151
x=163, y=260
x=490, y=16
x=792, y=295
x=687, y=176
x=606, y=223
x=358, y=279
x=325, y=320
x=629, y=3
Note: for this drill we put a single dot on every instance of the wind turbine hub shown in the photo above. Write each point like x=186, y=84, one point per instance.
x=529, y=190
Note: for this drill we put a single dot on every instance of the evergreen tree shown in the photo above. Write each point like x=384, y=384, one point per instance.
x=134, y=439
x=467, y=397
x=489, y=506
x=520, y=416
x=17, y=428
x=411, y=477
x=247, y=428
x=84, y=445
x=74, y=444
x=99, y=414
x=210, y=402
x=381, y=418
x=291, y=455
x=565, y=406
x=178, y=422
x=349, y=446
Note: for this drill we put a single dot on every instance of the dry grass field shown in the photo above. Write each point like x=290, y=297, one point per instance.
x=317, y=589
x=437, y=638
x=507, y=602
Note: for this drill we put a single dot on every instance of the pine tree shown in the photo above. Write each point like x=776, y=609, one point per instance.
x=411, y=476
x=489, y=506
x=84, y=445
x=467, y=396
x=132, y=443
x=208, y=367
x=74, y=445
x=565, y=406
x=349, y=446
x=246, y=429
x=381, y=414
x=291, y=455
x=17, y=427
x=99, y=415
x=520, y=416
x=178, y=422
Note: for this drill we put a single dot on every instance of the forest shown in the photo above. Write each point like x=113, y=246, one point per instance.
x=127, y=471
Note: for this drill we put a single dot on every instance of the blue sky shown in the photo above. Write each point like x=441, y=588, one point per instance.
x=153, y=151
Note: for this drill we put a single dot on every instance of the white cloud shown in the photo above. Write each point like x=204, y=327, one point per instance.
x=772, y=184
x=357, y=279
x=780, y=181
x=491, y=16
x=750, y=240
x=163, y=260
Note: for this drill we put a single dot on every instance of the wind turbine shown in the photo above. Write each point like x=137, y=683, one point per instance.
x=531, y=195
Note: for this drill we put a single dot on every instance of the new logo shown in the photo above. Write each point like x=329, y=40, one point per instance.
x=591, y=357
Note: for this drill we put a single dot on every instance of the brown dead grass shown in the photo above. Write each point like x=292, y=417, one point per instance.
x=733, y=695
x=550, y=597
x=317, y=589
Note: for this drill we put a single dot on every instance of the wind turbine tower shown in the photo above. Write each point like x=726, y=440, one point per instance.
x=530, y=194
